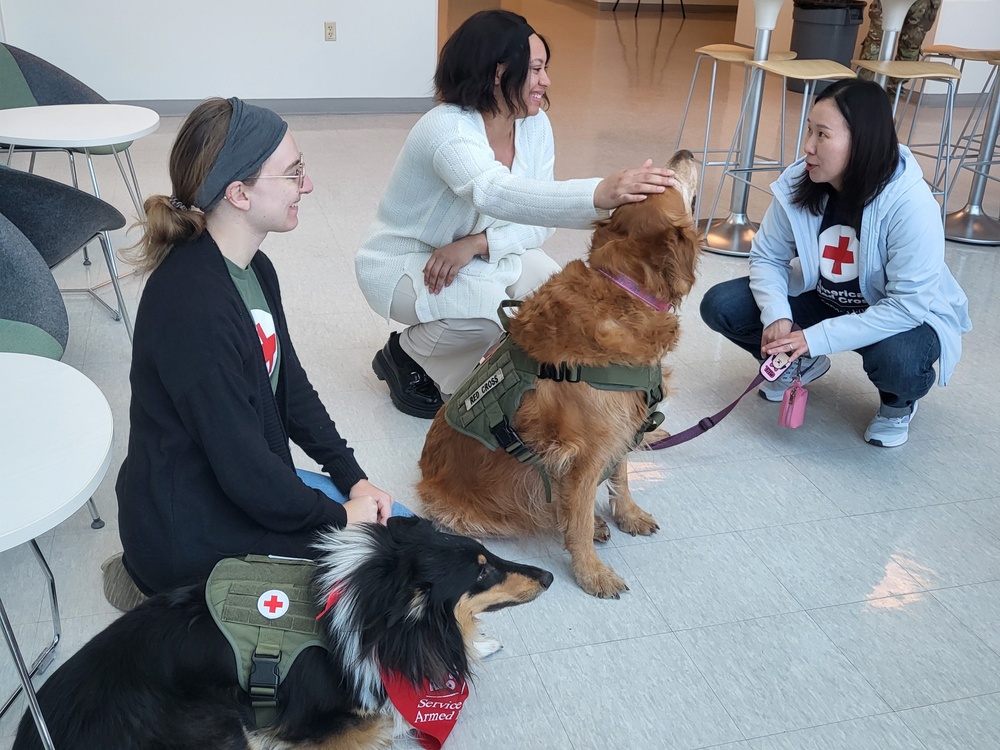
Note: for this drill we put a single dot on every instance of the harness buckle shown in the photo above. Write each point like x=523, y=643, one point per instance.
x=559, y=373
x=505, y=434
x=510, y=441
x=263, y=681
x=706, y=423
x=570, y=374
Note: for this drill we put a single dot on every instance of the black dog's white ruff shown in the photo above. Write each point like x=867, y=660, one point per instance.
x=164, y=676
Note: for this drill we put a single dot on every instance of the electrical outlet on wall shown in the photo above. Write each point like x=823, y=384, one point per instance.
x=330, y=31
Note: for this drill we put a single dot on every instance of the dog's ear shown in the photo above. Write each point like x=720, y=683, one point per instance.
x=402, y=526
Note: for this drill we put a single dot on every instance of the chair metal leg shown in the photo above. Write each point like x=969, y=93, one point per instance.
x=807, y=95
x=43, y=660
x=96, y=521
x=135, y=184
x=734, y=144
x=109, y=257
x=76, y=184
x=136, y=199
x=25, y=675
x=687, y=104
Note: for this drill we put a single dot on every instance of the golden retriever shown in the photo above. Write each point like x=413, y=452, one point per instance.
x=580, y=317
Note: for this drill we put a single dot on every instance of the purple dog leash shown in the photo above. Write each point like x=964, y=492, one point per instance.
x=770, y=370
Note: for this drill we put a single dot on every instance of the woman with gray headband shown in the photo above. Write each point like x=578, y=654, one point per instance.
x=217, y=389
x=469, y=203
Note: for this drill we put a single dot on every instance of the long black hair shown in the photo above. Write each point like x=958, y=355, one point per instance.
x=874, y=153
x=467, y=67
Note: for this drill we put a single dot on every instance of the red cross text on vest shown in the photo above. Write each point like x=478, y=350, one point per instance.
x=274, y=604
x=839, y=254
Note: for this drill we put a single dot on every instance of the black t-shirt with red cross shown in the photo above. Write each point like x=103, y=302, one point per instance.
x=838, y=246
x=253, y=297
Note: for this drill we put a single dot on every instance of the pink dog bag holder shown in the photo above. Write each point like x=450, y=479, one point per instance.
x=793, y=405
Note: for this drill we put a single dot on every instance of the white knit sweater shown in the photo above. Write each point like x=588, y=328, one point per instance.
x=447, y=184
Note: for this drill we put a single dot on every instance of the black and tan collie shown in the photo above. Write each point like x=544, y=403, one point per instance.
x=164, y=676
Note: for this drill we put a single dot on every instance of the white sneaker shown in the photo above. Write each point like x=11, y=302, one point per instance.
x=889, y=432
x=812, y=368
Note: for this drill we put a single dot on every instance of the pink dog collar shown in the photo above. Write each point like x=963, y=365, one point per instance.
x=630, y=286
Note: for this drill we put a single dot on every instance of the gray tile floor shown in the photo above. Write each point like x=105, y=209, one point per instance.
x=805, y=592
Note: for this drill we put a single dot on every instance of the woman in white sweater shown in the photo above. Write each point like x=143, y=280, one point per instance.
x=469, y=203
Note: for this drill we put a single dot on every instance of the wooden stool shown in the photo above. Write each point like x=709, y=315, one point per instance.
x=806, y=71
x=726, y=53
x=925, y=71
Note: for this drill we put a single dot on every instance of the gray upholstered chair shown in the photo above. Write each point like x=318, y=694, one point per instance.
x=29, y=81
x=33, y=317
x=59, y=220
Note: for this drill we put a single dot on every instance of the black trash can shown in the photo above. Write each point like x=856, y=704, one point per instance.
x=825, y=30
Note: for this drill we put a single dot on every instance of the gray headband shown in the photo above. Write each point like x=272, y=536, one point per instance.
x=254, y=134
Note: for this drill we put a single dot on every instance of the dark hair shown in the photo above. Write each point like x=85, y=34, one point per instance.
x=874, y=149
x=468, y=63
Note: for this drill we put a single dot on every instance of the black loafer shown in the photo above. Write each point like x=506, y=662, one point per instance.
x=411, y=390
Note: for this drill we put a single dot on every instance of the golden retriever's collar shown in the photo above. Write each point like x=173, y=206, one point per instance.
x=630, y=286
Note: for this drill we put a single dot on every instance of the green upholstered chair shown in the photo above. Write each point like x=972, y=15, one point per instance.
x=29, y=81
x=33, y=317
x=58, y=220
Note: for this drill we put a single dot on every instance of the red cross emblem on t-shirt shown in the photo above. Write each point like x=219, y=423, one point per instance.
x=839, y=254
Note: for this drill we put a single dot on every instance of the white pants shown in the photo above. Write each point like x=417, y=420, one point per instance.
x=449, y=349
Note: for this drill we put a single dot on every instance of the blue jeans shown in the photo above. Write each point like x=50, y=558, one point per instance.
x=324, y=484
x=901, y=366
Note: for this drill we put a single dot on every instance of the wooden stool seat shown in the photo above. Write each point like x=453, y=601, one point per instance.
x=960, y=53
x=909, y=69
x=734, y=53
x=805, y=70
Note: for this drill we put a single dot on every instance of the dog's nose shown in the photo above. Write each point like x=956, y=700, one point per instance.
x=545, y=579
x=682, y=155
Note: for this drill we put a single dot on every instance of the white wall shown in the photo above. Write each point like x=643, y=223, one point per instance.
x=256, y=49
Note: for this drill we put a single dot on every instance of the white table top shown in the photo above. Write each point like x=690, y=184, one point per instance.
x=76, y=125
x=56, y=431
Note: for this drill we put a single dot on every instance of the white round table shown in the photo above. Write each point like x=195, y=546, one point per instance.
x=76, y=125
x=55, y=448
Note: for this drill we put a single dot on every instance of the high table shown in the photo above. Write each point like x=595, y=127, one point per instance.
x=971, y=224
x=55, y=448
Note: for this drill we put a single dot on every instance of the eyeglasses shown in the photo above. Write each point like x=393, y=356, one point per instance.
x=299, y=174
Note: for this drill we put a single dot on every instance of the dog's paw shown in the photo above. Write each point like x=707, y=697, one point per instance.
x=602, y=531
x=603, y=583
x=637, y=522
x=486, y=646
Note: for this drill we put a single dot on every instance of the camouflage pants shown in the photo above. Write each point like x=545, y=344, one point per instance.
x=917, y=23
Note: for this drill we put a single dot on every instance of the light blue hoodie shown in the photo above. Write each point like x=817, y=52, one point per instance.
x=902, y=271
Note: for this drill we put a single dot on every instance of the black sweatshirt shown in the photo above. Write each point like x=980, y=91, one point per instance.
x=209, y=473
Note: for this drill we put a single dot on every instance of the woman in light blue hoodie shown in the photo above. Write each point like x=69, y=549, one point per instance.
x=851, y=251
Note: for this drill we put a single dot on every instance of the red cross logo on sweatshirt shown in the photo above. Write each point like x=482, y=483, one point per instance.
x=839, y=254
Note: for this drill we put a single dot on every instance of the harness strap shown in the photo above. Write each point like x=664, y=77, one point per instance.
x=265, y=676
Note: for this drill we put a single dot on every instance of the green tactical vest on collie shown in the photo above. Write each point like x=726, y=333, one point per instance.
x=484, y=405
x=239, y=592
